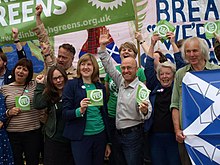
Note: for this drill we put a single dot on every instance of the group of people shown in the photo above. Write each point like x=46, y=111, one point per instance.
x=74, y=132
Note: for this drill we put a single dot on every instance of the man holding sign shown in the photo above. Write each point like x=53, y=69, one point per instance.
x=196, y=52
x=130, y=114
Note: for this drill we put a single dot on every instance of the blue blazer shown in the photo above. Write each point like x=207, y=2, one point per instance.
x=74, y=92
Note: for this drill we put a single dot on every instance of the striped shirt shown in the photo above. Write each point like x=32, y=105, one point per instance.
x=26, y=120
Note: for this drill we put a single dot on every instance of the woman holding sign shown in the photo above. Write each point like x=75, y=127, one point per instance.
x=160, y=77
x=56, y=148
x=24, y=121
x=85, y=112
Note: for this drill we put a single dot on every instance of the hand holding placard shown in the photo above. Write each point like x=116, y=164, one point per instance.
x=96, y=97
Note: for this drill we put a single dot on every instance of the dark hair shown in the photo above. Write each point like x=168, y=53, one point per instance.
x=25, y=63
x=86, y=57
x=162, y=56
x=3, y=57
x=50, y=90
x=68, y=47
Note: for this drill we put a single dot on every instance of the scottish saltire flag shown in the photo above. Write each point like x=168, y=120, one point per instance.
x=92, y=43
x=113, y=51
x=201, y=116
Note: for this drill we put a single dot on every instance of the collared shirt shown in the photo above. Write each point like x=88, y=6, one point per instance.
x=176, y=100
x=127, y=111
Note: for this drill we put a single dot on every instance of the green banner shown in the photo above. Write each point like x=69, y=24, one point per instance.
x=61, y=16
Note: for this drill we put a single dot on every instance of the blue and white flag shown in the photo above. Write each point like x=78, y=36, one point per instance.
x=201, y=116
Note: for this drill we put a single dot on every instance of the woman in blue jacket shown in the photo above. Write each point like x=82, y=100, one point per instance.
x=86, y=126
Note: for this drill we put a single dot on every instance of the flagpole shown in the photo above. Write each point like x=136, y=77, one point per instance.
x=136, y=28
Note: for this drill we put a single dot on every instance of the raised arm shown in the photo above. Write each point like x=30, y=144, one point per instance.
x=38, y=12
x=43, y=38
x=106, y=58
x=177, y=53
x=142, y=42
x=171, y=37
x=154, y=40
x=39, y=100
x=20, y=51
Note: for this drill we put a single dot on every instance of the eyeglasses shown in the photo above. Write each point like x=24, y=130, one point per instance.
x=59, y=77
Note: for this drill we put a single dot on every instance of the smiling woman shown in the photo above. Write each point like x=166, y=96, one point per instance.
x=56, y=148
x=24, y=121
x=86, y=123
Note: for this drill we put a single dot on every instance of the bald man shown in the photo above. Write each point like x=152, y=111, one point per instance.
x=129, y=115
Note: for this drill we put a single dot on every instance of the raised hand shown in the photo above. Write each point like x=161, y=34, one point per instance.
x=138, y=36
x=171, y=37
x=38, y=9
x=14, y=33
x=40, y=78
x=104, y=37
x=154, y=39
